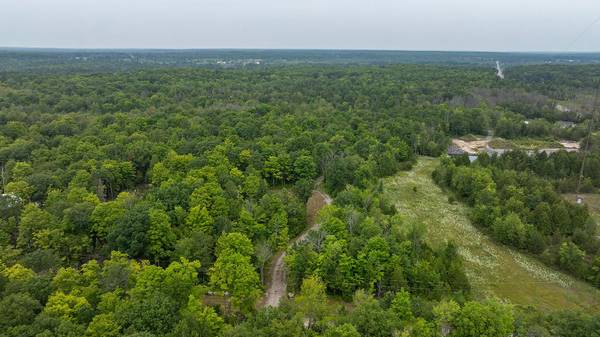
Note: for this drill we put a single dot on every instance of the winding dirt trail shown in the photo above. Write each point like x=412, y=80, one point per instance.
x=277, y=284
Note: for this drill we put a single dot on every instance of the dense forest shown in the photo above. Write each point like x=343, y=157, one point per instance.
x=151, y=202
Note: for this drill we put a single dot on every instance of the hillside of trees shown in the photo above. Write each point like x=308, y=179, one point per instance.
x=150, y=202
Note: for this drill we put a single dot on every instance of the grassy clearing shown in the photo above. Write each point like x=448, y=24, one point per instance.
x=592, y=201
x=5, y=90
x=524, y=144
x=501, y=143
x=493, y=270
x=533, y=144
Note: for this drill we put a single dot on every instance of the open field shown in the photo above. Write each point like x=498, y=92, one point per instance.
x=493, y=269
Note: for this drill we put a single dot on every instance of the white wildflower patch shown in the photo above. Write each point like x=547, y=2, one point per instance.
x=540, y=271
x=484, y=261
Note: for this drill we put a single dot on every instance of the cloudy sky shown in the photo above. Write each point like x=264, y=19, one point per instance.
x=503, y=25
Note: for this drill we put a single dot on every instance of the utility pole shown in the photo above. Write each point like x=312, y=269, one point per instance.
x=2, y=177
x=586, y=149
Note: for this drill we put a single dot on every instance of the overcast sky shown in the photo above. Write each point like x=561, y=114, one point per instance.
x=503, y=25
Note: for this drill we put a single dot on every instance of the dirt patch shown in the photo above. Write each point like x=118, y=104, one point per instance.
x=569, y=145
x=314, y=204
x=217, y=300
x=472, y=146
x=478, y=145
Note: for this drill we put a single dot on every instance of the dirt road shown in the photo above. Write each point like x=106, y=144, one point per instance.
x=277, y=285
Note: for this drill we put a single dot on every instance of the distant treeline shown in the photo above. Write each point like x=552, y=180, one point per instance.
x=43, y=60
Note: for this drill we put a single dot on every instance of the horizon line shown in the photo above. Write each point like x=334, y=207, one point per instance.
x=292, y=49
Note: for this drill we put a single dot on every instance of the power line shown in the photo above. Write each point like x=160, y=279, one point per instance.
x=582, y=34
x=586, y=149
x=594, y=108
